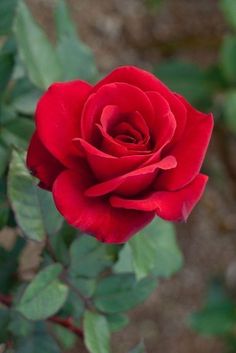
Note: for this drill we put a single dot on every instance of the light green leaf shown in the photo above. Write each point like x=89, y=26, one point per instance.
x=28, y=202
x=26, y=103
x=66, y=338
x=124, y=263
x=118, y=293
x=154, y=250
x=7, y=12
x=76, y=58
x=228, y=58
x=97, y=335
x=88, y=257
x=184, y=78
x=229, y=110
x=44, y=296
x=36, y=51
x=229, y=9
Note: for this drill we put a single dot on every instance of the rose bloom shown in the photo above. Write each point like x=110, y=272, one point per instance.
x=119, y=153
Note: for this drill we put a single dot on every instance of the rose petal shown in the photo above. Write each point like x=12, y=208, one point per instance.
x=133, y=182
x=172, y=206
x=128, y=99
x=42, y=164
x=95, y=216
x=148, y=82
x=189, y=152
x=58, y=117
x=105, y=166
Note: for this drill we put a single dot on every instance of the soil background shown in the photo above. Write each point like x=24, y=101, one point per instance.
x=133, y=32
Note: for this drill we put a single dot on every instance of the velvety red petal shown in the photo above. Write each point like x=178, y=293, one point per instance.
x=42, y=164
x=165, y=123
x=148, y=82
x=128, y=99
x=95, y=216
x=105, y=166
x=133, y=182
x=58, y=117
x=171, y=206
x=189, y=152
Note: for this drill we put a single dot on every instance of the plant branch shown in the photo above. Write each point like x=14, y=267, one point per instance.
x=64, y=322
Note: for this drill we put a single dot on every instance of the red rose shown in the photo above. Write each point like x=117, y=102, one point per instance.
x=119, y=153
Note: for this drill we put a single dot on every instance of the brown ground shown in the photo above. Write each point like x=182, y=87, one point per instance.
x=128, y=32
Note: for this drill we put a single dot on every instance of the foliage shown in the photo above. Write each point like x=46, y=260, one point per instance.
x=81, y=287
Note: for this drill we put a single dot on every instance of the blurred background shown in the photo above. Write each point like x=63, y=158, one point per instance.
x=190, y=45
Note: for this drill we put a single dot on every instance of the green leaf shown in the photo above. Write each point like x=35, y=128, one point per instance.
x=229, y=110
x=26, y=103
x=124, y=263
x=73, y=53
x=185, y=78
x=17, y=132
x=9, y=264
x=88, y=257
x=35, y=50
x=38, y=342
x=44, y=296
x=33, y=208
x=118, y=293
x=139, y=348
x=6, y=68
x=218, y=316
x=229, y=9
x=228, y=58
x=7, y=12
x=86, y=286
x=66, y=338
x=154, y=250
x=4, y=157
x=4, y=322
x=117, y=322
x=96, y=331
x=20, y=326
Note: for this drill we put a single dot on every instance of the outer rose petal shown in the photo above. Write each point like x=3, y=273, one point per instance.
x=189, y=152
x=148, y=82
x=42, y=164
x=133, y=182
x=95, y=216
x=172, y=206
x=58, y=117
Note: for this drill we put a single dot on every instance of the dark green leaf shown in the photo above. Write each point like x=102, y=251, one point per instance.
x=97, y=335
x=44, y=296
x=228, y=58
x=86, y=286
x=88, y=256
x=229, y=9
x=19, y=326
x=4, y=157
x=66, y=338
x=8, y=264
x=229, y=110
x=218, y=316
x=117, y=322
x=7, y=12
x=17, y=132
x=185, y=78
x=28, y=202
x=26, y=103
x=4, y=322
x=6, y=68
x=73, y=53
x=35, y=49
x=38, y=342
x=118, y=293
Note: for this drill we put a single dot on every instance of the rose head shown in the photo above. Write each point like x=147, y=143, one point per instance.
x=118, y=153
